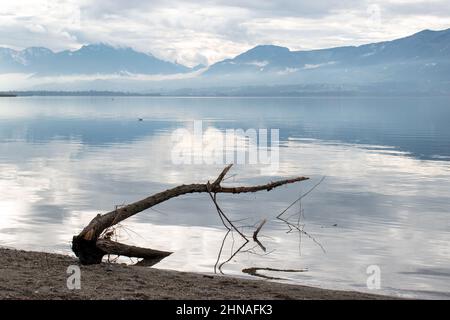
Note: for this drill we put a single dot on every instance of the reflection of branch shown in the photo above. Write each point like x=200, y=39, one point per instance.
x=233, y=253
x=232, y=256
x=218, y=266
x=254, y=272
x=220, y=251
x=299, y=227
x=212, y=190
x=255, y=235
x=252, y=251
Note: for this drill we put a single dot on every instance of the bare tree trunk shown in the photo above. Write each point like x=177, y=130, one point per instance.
x=90, y=247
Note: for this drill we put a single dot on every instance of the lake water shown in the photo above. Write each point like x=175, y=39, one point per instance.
x=385, y=200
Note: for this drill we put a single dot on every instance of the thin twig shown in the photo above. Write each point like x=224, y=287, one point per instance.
x=301, y=197
x=214, y=199
x=297, y=227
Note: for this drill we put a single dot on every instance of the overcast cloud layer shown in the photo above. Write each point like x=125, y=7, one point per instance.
x=205, y=31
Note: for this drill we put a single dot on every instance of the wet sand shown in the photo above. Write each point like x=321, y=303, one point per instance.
x=37, y=275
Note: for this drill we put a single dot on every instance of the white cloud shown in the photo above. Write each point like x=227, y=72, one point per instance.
x=23, y=81
x=315, y=66
x=258, y=63
x=287, y=71
x=203, y=31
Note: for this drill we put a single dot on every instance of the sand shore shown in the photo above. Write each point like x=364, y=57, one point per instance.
x=37, y=275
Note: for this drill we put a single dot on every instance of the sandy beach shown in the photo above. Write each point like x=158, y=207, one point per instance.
x=37, y=275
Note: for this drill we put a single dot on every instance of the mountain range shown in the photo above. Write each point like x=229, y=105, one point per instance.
x=424, y=46
x=420, y=61
x=89, y=59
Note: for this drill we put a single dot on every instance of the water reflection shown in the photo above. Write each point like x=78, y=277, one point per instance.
x=385, y=200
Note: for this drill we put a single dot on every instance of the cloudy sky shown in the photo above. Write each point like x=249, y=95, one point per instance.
x=205, y=31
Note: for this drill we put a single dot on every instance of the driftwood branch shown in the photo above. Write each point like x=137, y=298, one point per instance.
x=150, y=256
x=90, y=247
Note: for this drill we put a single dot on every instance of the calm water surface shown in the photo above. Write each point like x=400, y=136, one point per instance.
x=385, y=200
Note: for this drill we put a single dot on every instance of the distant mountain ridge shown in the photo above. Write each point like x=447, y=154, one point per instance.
x=89, y=59
x=422, y=46
x=417, y=63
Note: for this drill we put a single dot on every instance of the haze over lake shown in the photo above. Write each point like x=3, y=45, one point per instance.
x=385, y=200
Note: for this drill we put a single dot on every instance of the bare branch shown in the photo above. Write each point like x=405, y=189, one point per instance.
x=84, y=244
x=302, y=196
x=223, y=216
x=221, y=176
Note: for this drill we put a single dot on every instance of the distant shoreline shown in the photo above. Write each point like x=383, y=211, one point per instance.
x=76, y=94
x=318, y=94
x=38, y=275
